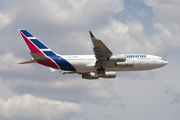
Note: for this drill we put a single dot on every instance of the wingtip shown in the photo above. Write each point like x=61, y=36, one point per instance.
x=92, y=36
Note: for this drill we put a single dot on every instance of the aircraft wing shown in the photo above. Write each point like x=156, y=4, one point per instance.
x=101, y=51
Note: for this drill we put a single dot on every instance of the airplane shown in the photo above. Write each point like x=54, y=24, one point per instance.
x=102, y=64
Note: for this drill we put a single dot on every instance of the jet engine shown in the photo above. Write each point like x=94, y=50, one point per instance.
x=117, y=58
x=90, y=76
x=109, y=74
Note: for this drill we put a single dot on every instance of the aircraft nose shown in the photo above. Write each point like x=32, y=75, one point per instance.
x=165, y=62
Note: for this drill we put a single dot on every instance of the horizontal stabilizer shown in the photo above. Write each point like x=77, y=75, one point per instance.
x=39, y=57
x=32, y=61
x=36, y=57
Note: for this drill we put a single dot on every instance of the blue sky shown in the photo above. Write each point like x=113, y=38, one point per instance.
x=135, y=9
x=32, y=92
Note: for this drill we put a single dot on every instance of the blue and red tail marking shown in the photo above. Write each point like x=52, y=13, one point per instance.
x=36, y=46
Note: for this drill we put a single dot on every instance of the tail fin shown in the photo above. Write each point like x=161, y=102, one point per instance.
x=35, y=45
x=39, y=51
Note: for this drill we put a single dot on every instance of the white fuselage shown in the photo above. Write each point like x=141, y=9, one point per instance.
x=134, y=62
x=102, y=64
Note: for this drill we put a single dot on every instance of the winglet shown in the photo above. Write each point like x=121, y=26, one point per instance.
x=92, y=36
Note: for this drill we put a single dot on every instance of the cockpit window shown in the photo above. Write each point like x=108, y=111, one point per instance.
x=163, y=59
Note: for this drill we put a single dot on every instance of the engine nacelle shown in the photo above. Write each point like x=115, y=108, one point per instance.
x=108, y=74
x=117, y=58
x=90, y=76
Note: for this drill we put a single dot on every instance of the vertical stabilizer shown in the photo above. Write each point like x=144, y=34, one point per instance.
x=36, y=47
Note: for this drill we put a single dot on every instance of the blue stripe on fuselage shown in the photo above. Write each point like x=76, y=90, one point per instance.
x=63, y=64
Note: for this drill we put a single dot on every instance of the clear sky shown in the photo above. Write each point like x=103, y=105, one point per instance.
x=32, y=92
